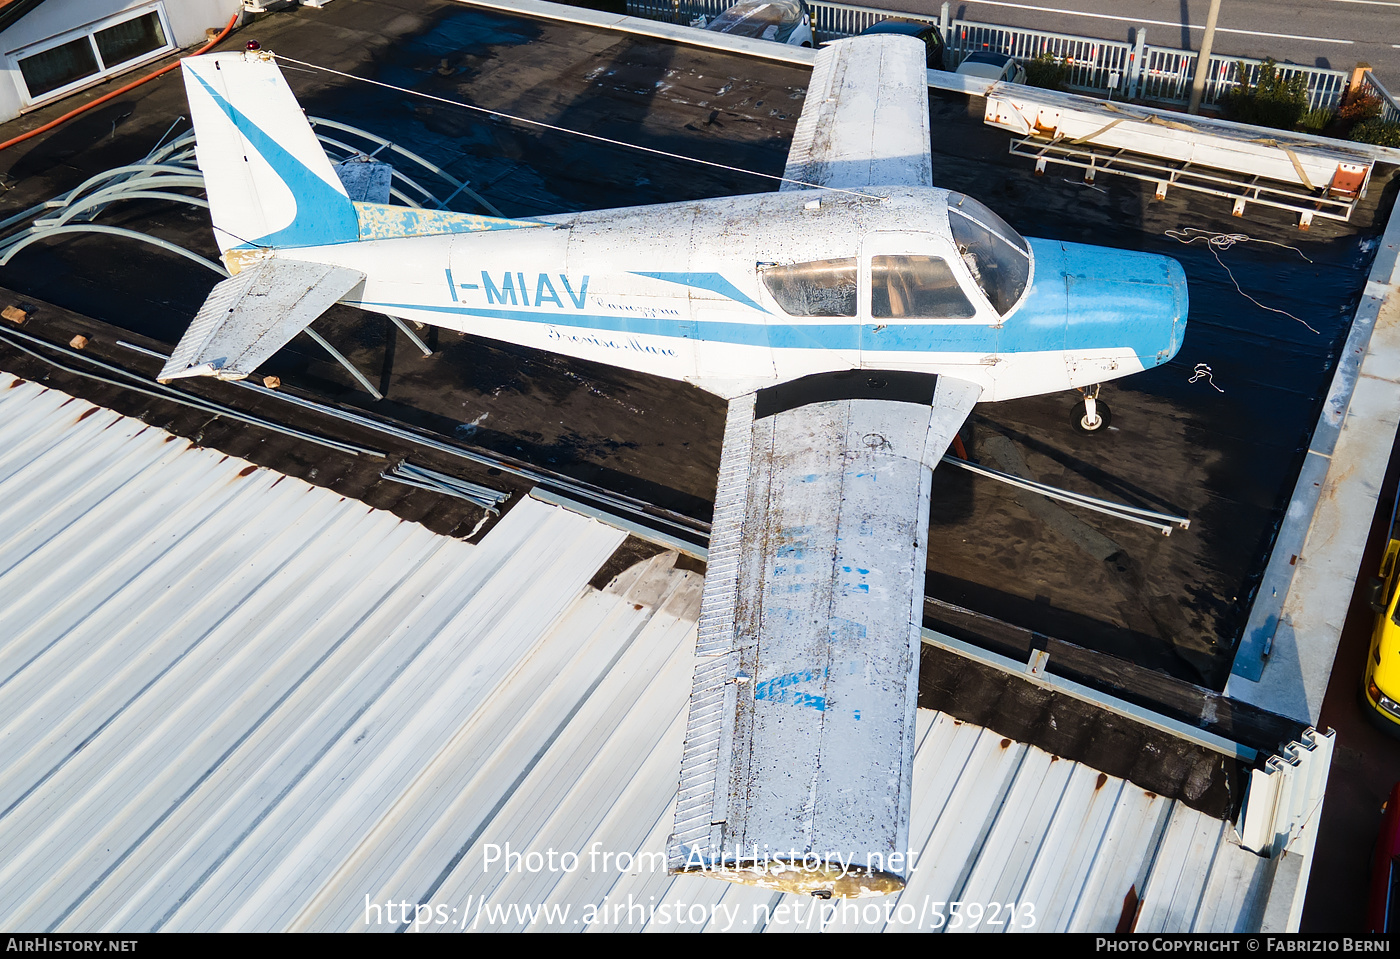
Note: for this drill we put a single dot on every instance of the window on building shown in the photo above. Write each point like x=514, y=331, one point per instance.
x=129, y=40
x=59, y=66
x=91, y=53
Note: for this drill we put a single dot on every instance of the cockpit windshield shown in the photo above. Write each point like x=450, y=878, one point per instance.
x=998, y=256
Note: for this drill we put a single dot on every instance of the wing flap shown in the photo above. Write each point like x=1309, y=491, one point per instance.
x=250, y=316
x=865, y=120
x=802, y=711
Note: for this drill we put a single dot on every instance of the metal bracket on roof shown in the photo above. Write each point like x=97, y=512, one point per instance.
x=1242, y=189
x=1035, y=666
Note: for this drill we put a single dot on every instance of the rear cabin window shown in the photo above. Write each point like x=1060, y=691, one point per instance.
x=819, y=288
x=916, y=287
x=997, y=256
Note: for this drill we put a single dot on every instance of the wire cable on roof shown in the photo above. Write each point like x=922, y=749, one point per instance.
x=577, y=133
x=1203, y=372
x=1223, y=241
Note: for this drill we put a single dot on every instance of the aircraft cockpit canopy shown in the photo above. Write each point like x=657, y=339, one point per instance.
x=998, y=257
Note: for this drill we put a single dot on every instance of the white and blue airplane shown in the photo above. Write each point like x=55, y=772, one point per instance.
x=852, y=320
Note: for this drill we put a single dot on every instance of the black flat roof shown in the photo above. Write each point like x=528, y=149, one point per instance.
x=1224, y=450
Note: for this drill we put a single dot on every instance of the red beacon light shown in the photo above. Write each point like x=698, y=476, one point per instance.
x=252, y=45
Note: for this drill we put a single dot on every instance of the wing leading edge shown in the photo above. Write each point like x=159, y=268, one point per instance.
x=800, y=742
x=865, y=119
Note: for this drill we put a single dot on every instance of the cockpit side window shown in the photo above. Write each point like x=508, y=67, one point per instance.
x=997, y=256
x=916, y=287
x=818, y=288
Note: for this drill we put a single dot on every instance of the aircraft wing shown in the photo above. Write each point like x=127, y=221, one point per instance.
x=800, y=739
x=865, y=119
x=252, y=315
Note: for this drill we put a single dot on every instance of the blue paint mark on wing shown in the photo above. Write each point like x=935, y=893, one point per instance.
x=845, y=630
x=779, y=690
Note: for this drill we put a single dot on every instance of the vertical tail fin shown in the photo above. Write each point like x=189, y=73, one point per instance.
x=269, y=182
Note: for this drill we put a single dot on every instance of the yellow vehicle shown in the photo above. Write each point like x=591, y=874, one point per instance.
x=1382, y=684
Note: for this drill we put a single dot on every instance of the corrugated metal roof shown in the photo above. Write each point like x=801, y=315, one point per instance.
x=230, y=700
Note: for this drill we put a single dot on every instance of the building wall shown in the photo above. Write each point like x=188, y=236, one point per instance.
x=187, y=20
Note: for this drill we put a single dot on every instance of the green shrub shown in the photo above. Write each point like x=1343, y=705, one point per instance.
x=1272, y=102
x=1360, y=109
x=1048, y=71
x=1379, y=132
x=1315, y=121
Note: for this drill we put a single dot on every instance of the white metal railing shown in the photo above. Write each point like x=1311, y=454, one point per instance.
x=1101, y=66
x=1167, y=72
x=1390, y=111
x=1128, y=68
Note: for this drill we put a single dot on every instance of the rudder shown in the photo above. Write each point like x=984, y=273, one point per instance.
x=270, y=185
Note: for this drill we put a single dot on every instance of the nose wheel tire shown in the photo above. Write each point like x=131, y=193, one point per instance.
x=1103, y=417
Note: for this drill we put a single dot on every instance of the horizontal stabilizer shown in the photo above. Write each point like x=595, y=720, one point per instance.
x=251, y=316
x=797, y=768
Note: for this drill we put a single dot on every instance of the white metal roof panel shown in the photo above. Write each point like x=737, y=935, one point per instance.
x=230, y=700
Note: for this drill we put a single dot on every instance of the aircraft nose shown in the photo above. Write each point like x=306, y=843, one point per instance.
x=1181, y=306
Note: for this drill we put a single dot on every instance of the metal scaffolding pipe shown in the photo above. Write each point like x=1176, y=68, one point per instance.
x=1164, y=522
x=102, y=199
x=413, y=337
x=340, y=358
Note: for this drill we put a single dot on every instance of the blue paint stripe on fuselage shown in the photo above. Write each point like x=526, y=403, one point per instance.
x=843, y=336
x=1083, y=299
x=710, y=282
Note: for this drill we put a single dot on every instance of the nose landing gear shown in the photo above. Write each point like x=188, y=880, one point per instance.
x=1096, y=415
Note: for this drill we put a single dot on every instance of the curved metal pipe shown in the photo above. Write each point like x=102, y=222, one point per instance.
x=41, y=234
x=151, y=168
x=98, y=199
x=461, y=187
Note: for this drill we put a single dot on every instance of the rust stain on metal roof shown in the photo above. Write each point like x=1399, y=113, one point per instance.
x=90, y=410
x=1127, y=919
x=246, y=470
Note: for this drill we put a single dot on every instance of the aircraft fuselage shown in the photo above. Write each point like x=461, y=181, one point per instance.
x=687, y=291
